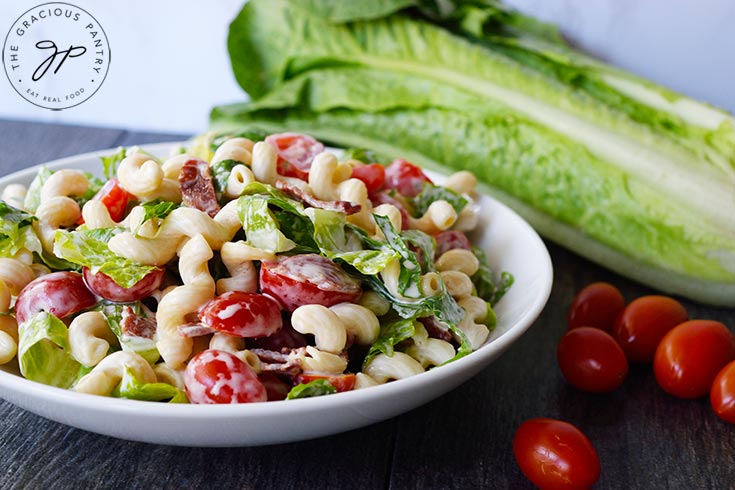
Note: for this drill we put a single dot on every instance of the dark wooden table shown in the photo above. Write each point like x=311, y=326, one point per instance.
x=645, y=438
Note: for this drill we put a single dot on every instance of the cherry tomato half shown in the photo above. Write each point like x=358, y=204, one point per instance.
x=689, y=357
x=591, y=360
x=215, y=376
x=115, y=199
x=722, y=394
x=406, y=177
x=295, y=153
x=373, y=175
x=307, y=279
x=644, y=322
x=103, y=285
x=596, y=305
x=450, y=240
x=555, y=455
x=59, y=293
x=242, y=314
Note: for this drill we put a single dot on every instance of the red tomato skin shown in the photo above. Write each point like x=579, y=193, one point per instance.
x=450, y=240
x=591, y=360
x=248, y=315
x=372, y=175
x=691, y=355
x=644, y=322
x=115, y=199
x=275, y=387
x=215, y=376
x=342, y=382
x=307, y=279
x=102, y=285
x=596, y=305
x=405, y=177
x=295, y=153
x=59, y=293
x=722, y=394
x=555, y=455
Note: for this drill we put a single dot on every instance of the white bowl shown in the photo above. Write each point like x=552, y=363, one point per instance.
x=511, y=244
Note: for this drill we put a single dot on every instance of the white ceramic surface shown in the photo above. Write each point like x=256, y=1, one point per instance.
x=512, y=245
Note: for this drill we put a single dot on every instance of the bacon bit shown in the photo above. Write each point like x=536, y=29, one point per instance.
x=197, y=190
x=285, y=363
x=436, y=329
x=296, y=192
x=194, y=329
x=133, y=325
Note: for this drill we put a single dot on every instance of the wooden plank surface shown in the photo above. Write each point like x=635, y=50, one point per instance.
x=645, y=439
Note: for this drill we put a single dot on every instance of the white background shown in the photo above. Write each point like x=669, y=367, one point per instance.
x=169, y=59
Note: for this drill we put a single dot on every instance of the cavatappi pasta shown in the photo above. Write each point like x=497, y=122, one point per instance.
x=242, y=269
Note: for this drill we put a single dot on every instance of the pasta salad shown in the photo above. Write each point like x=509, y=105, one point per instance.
x=249, y=267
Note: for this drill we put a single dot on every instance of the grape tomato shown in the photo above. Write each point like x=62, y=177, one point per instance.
x=215, y=376
x=307, y=279
x=722, y=394
x=405, y=177
x=59, y=293
x=591, y=360
x=596, y=305
x=103, y=285
x=372, y=175
x=691, y=355
x=644, y=322
x=243, y=314
x=295, y=153
x=555, y=455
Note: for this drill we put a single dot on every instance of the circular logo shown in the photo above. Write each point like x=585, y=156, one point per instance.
x=56, y=55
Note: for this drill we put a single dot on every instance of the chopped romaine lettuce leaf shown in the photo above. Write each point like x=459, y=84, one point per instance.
x=89, y=248
x=430, y=193
x=260, y=226
x=94, y=185
x=318, y=387
x=221, y=173
x=329, y=234
x=361, y=154
x=110, y=162
x=146, y=348
x=33, y=196
x=442, y=305
x=465, y=347
x=157, y=210
x=425, y=243
x=288, y=214
x=44, y=354
x=16, y=231
x=390, y=335
x=486, y=286
x=409, y=278
x=131, y=387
